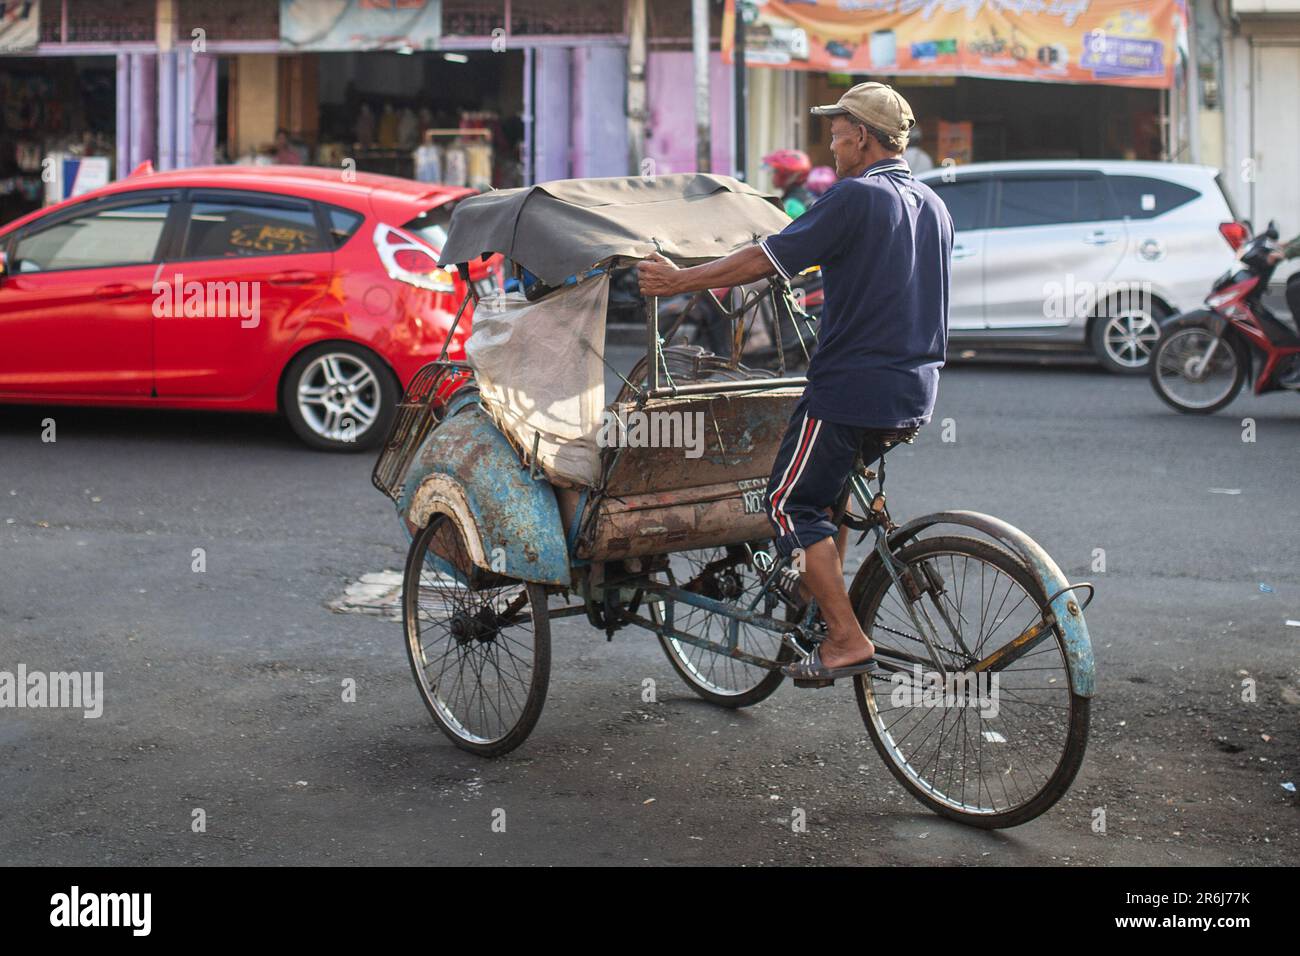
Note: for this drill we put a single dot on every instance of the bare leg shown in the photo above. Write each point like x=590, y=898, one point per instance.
x=823, y=575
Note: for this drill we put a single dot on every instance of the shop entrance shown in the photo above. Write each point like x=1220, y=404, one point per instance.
x=1010, y=120
x=52, y=107
x=449, y=117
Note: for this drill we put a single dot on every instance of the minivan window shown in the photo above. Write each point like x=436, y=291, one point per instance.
x=117, y=236
x=1050, y=200
x=226, y=228
x=965, y=201
x=1141, y=197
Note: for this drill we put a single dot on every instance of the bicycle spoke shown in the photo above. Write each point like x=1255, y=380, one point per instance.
x=1003, y=743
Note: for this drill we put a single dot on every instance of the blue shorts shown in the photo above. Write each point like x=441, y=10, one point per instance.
x=812, y=467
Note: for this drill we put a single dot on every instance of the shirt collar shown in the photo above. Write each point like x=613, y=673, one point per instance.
x=888, y=164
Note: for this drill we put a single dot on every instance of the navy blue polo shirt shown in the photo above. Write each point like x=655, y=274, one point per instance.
x=884, y=243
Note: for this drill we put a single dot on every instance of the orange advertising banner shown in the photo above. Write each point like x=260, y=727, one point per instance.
x=1115, y=42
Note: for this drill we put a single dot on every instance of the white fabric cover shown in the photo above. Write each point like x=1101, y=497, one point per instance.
x=539, y=366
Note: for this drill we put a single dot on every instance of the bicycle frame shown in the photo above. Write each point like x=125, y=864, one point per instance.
x=801, y=635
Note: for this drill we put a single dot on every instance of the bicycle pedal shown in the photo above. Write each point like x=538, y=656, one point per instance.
x=819, y=682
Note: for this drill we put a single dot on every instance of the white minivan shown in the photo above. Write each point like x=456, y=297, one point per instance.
x=1080, y=252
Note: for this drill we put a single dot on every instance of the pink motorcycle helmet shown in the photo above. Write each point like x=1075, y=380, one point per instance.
x=820, y=179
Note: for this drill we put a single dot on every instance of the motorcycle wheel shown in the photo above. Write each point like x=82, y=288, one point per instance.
x=1187, y=359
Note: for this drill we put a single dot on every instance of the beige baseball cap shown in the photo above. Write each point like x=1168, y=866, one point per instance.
x=876, y=105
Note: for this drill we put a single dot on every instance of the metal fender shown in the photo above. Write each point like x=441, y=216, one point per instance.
x=1065, y=606
x=468, y=470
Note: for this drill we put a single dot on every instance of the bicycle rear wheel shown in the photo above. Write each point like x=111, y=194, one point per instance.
x=480, y=650
x=996, y=754
x=724, y=574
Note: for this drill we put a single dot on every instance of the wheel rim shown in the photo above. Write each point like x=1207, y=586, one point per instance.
x=339, y=396
x=957, y=755
x=1130, y=337
x=475, y=648
x=1183, y=373
x=714, y=672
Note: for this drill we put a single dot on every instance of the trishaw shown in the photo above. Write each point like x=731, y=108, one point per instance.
x=528, y=499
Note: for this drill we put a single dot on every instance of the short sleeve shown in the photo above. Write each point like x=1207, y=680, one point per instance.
x=815, y=237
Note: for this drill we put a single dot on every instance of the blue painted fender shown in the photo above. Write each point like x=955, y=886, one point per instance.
x=468, y=470
x=1069, y=616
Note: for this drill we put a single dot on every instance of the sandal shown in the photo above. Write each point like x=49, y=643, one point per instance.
x=813, y=672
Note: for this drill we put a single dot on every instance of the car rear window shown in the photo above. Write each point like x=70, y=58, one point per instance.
x=343, y=224
x=1142, y=197
x=1050, y=200
x=222, y=228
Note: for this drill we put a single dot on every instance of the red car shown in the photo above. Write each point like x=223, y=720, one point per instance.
x=311, y=292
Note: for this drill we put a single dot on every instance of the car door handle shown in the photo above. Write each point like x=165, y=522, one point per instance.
x=115, y=290
x=297, y=277
x=1100, y=238
x=961, y=252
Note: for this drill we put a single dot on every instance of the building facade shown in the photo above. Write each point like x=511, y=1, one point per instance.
x=1261, y=93
x=509, y=92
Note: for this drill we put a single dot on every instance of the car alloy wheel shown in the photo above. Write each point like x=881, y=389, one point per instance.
x=339, y=396
x=1129, y=337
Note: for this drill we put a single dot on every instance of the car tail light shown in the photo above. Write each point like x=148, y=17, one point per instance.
x=409, y=260
x=1235, y=233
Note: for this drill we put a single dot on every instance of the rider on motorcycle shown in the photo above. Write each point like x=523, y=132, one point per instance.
x=790, y=168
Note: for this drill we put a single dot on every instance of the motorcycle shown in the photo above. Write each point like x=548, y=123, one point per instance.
x=1204, y=356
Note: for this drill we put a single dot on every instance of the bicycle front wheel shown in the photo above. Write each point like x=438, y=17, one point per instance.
x=992, y=747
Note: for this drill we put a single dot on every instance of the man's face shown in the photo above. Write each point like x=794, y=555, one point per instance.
x=847, y=144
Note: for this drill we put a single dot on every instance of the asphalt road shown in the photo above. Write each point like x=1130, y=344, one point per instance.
x=222, y=689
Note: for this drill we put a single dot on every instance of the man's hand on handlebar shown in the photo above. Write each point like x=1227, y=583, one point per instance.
x=657, y=276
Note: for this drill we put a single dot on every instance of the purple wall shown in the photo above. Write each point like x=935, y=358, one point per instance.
x=600, y=111
x=203, y=138
x=670, y=91
x=579, y=112
x=136, y=130
x=552, y=110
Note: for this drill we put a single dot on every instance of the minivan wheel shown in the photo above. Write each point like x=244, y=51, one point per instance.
x=339, y=397
x=1124, y=339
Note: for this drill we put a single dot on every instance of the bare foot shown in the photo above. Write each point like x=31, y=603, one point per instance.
x=839, y=651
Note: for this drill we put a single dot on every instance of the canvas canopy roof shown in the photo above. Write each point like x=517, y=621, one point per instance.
x=563, y=228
